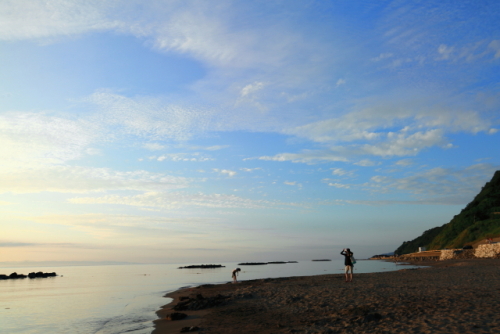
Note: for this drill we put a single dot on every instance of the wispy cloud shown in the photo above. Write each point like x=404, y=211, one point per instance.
x=176, y=200
x=38, y=139
x=192, y=157
x=68, y=179
x=445, y=183
x=227, y=172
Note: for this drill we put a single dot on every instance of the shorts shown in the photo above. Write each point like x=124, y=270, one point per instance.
x=348, y=268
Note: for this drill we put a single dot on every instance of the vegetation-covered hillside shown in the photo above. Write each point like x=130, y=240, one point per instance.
x=480, y=219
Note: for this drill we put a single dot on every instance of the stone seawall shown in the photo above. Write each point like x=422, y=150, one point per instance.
x=488, y=250
x=447, y=254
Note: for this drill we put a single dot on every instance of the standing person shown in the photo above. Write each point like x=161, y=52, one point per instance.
x=235, y=274
x=349, y=266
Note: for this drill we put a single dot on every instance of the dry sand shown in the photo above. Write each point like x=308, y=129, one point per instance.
x=453, y=296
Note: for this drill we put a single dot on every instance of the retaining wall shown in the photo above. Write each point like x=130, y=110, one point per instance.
x=488, y=250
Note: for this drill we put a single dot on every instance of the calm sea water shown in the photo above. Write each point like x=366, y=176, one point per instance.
x=124, y=298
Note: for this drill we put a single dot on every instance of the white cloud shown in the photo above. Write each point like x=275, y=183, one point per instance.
x=154, y=146
x=177, y=200
x=290, y=183
x=33, y=140
x=395, y=144
x=69, y=179
x=341, y=172
x=401, y=144
x=251, y=89
x=339, y=185
x=308, y=156
x=404, y=162
x=382, y=56
x=209, y=148
x=249, y=170
x=445, y=51
x=340, y=82
x=31, y=19
x=227, y=172
x=194, y=157
x=495, y=46
x=366, y=163
x=109, y=226
x=446, y=185
x=149, y=117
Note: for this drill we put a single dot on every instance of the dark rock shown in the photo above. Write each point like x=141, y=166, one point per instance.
x=200, y=302
x=203, y=266
x=16, y=276
x=41, y=275
x=372, y=317
x=175, y=316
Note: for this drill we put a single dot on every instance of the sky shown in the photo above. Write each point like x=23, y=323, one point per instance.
x=210, y=131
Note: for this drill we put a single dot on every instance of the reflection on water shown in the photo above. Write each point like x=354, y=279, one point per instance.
x=124, y=298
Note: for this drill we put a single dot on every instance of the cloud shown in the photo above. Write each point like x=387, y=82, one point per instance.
x=249, y=170
x=341, y=172
x=339, y=185
x=74, y=179
x=108, y=226
x=48, y=19
x=209, y=148
x=395, y=144
x=251, y=89
x=148, y=117
x=404, y=162
x=495, y=47
x=382, y=56
x=445, y=51
x=340, y=82
x=177, y=200
x=154, y=146
x=366, y=163
x=194, y=157
x=306, y=156
x=290, y=183
x=446, y=185
x=227, y=172
x=39, y=139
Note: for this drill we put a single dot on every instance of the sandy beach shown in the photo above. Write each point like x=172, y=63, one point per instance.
x=453, y=296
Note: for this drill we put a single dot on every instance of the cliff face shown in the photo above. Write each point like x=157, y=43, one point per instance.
x=480, y=219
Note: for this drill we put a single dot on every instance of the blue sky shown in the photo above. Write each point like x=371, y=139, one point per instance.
x=196, y=131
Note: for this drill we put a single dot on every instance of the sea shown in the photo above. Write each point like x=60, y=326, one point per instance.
x=115, y=299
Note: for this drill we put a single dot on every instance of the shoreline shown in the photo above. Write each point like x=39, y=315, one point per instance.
x=431, y=299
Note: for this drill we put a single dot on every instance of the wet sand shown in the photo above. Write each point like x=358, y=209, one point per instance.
x=453, y=296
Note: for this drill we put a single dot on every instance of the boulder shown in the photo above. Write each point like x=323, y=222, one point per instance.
x=175, y=316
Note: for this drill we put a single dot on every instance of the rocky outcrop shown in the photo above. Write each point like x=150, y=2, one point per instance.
x=203, y=266
x=30, y=275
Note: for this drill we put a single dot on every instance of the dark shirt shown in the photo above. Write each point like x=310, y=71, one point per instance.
x=347, y=258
